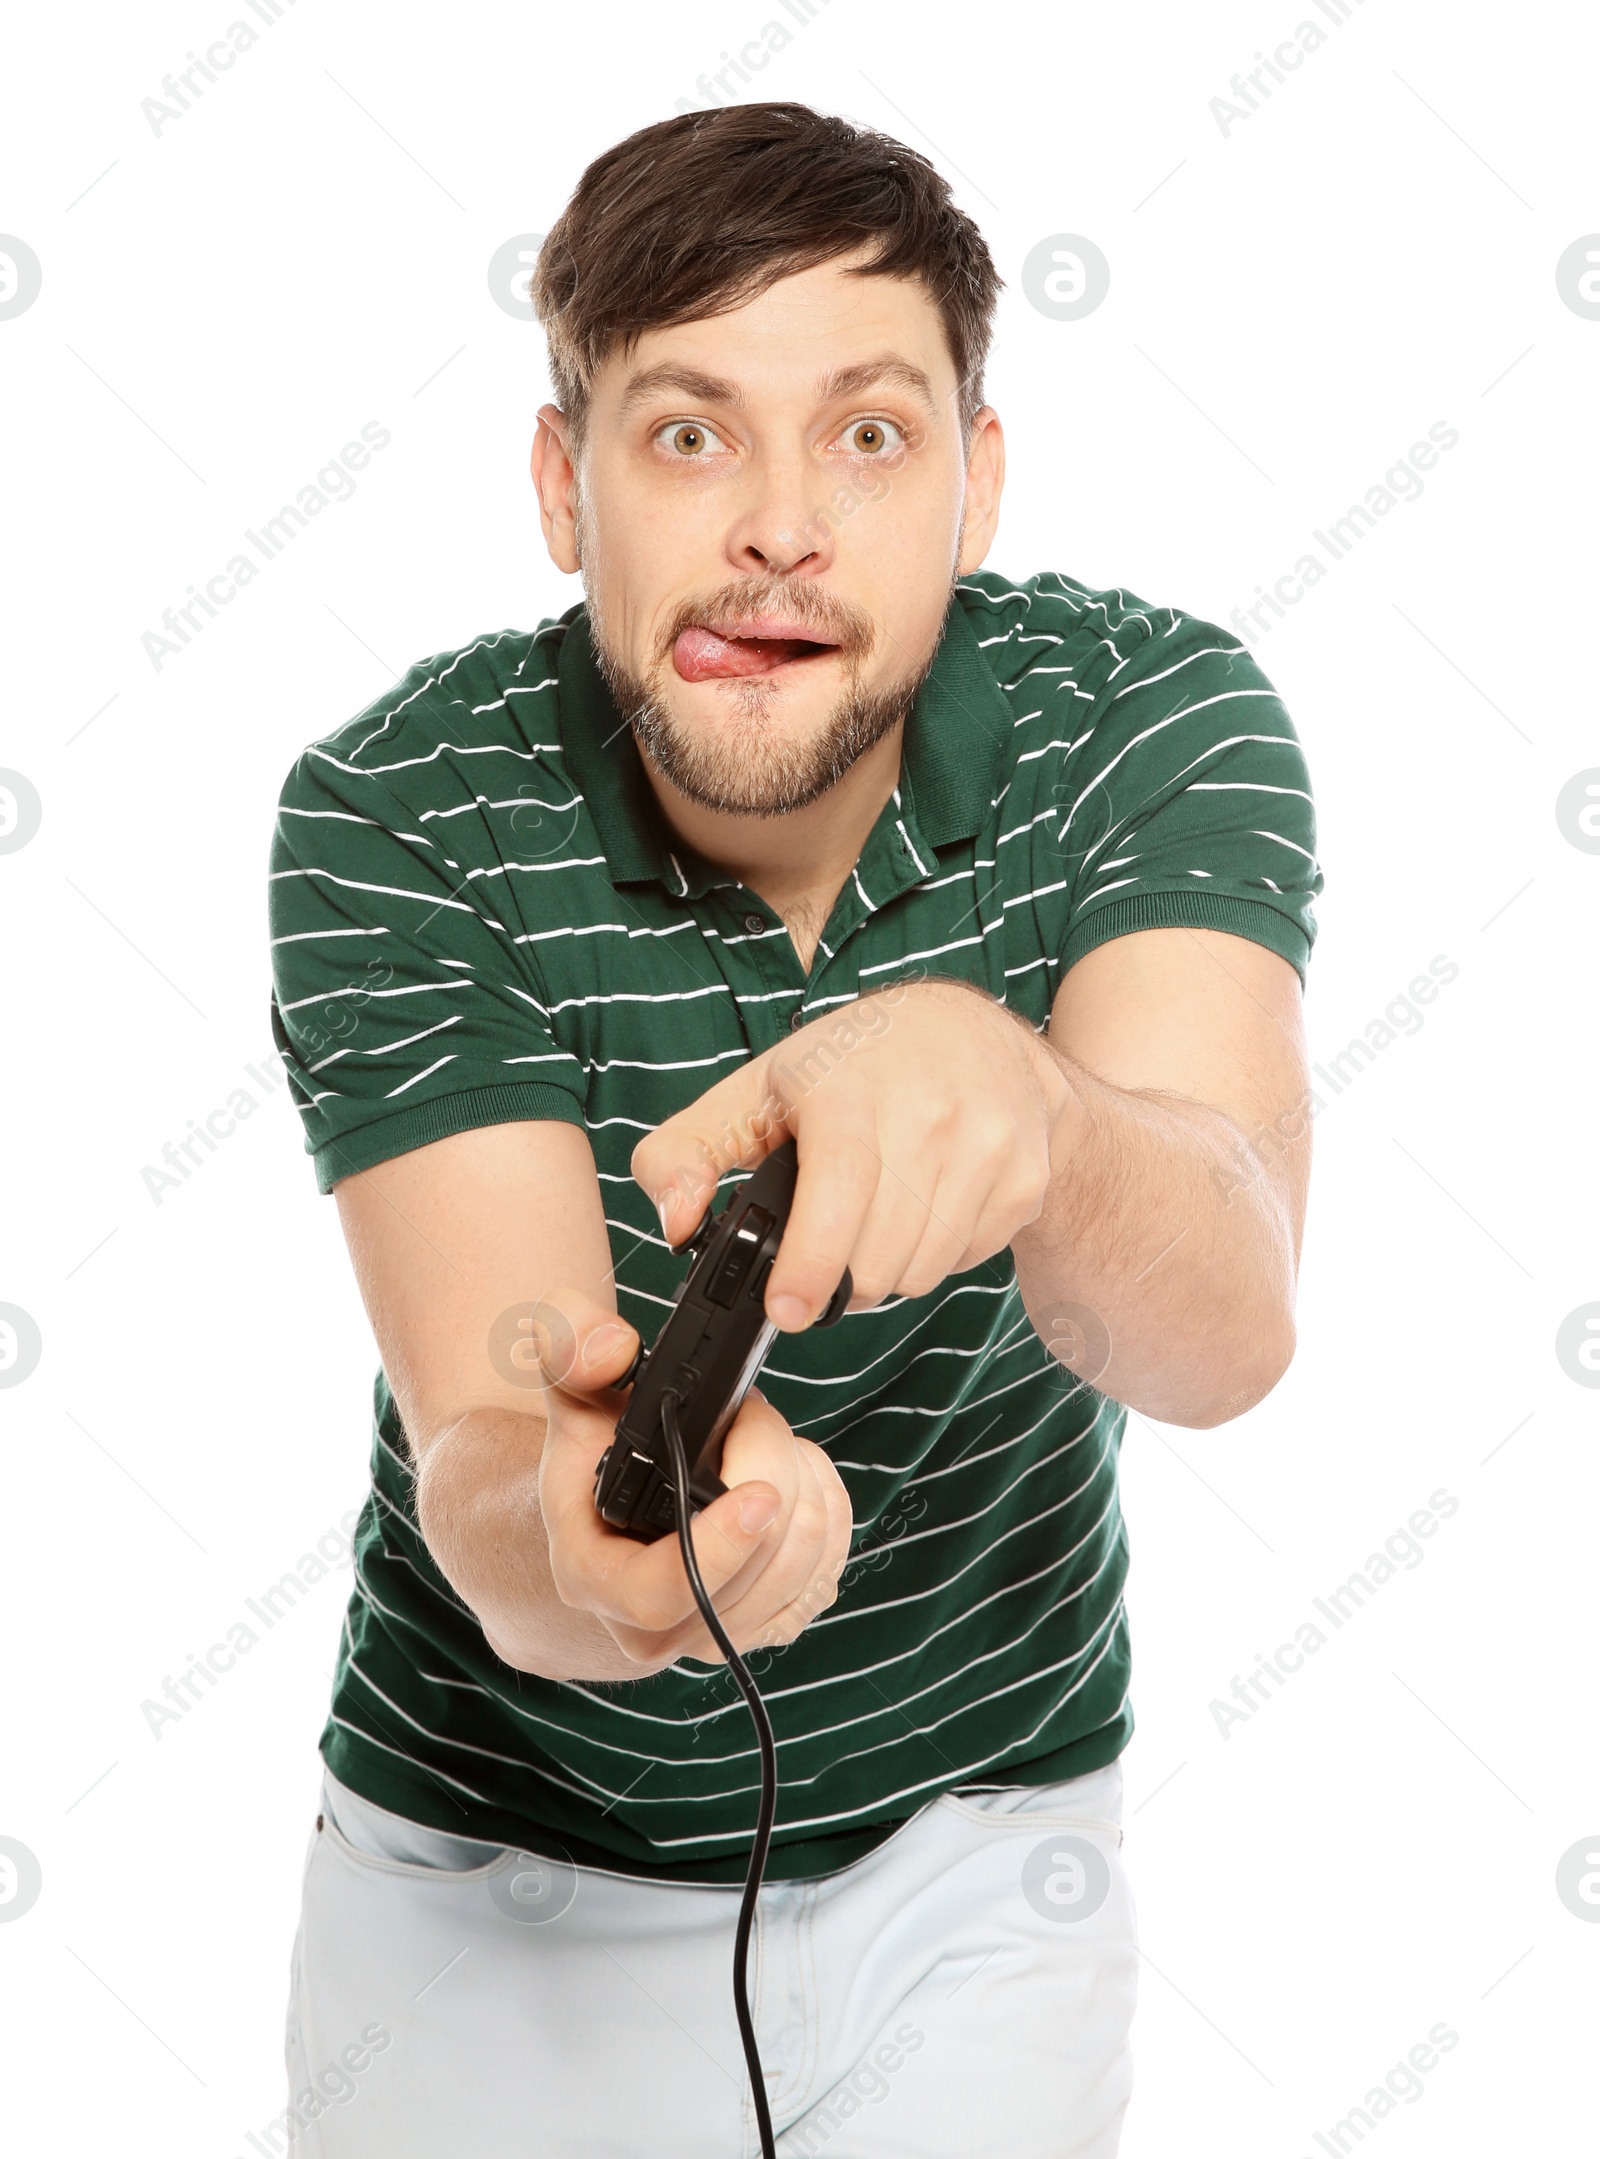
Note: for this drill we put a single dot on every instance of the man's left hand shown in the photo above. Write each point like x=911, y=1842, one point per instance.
x=929, y=1121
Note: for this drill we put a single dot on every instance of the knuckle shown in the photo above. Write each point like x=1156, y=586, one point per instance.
x=986, y=1239
x=652, y=1611
x=870, y=1286
x=996, y=1132
x=950, y=1115
x=1024, y=1193
x=923, y=1279
x=808, y=1527
x=810, y=1515
x=849, y=1161
x=638, y=1647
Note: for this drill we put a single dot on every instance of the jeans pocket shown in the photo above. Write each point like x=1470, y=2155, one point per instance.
x=1090, y=1803
x=368, y=1835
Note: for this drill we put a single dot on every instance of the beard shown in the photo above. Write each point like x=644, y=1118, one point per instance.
x=752, y=771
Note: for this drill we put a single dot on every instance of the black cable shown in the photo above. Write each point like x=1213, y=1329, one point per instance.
x=769, y=1771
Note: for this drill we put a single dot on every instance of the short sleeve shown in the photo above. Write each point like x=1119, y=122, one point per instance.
x=405, y=1011
x=1188, y=803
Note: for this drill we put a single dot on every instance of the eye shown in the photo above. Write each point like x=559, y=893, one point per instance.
x=871, y=438
x=687, y=438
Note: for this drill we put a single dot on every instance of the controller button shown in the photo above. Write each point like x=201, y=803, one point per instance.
x=635, y=1367
x=837, y=1305
x=631, y=1481
x=697, y=1240
x=743, y=1246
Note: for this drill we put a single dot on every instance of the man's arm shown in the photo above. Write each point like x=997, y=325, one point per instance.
x=443, y=1240
x=1146, y=1160
x=446, y=1240
x=1179, y=1166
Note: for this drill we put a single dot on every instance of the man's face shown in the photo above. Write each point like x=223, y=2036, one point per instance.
x=769, y=513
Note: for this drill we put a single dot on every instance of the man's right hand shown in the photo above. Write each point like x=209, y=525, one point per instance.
x=446, y=1240
x=771, y=1549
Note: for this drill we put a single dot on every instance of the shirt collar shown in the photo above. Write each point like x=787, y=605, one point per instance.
x=957, y=736
x=955, y=741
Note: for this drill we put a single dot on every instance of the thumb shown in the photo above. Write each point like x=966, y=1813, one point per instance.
x=582, y=1346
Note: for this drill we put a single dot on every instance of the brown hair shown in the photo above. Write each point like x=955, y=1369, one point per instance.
x=695, y=215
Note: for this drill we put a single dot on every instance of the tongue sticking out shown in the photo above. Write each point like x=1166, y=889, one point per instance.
x=703, y=656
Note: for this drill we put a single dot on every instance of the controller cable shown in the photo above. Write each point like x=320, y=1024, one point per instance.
x=769, y=1769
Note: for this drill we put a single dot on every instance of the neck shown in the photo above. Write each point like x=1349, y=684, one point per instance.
x=796, y=862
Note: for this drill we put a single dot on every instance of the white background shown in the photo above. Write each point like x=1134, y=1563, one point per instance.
x=1292, y=304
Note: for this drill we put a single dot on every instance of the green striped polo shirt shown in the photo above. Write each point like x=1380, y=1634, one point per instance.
x=479, y=914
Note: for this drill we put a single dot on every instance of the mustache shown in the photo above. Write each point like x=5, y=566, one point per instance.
x=834, y=620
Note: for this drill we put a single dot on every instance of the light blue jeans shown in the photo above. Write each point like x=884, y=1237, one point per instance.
x=967, y=1988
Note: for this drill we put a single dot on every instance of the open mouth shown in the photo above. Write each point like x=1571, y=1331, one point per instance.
x=703, y=655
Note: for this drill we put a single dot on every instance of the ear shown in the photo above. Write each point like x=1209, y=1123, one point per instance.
x=986, y=479
x=553, y=477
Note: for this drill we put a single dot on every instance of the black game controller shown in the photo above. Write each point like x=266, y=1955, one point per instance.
x=707, y=1354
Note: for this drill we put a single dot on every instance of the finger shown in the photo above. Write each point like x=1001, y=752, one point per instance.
x=812, y=1589
x=738, y=1121
x=771, y=1578
x=834, y=1192
x=951, y=1233
x=581, y=1346
x=801, y=1568
x=894, y=1229
x=990, y=1206
x=644, y=1585
x=759, y=1453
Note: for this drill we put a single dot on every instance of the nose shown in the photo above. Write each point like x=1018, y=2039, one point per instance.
x=784, y=527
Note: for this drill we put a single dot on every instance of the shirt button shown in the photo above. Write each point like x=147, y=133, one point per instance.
x=755, y=924
x=797, y=1018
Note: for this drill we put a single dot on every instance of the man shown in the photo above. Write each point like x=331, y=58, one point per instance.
x=996, y=896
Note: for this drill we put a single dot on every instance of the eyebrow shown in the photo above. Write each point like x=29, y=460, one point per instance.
x=705, y=389
x=692, y=382
x=888, y=367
